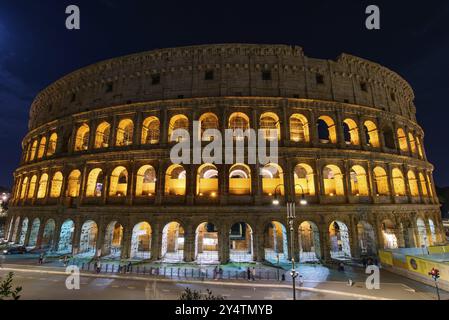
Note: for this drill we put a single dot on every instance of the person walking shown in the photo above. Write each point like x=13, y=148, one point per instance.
x=248, y=274
x=66, y=261
x=253, y=274
x=98, y=266
x=215, y=272
x=220, y=273
x=301, y=280
x=41, y=258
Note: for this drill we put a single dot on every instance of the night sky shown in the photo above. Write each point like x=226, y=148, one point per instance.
x=36, y=48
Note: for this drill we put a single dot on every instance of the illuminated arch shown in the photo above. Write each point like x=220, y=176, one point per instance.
x=88, y=238
x=381, y=181
x=389, y=234
x=422, y=182
x=419, y=147
x=351, y=132
x=125, y=131
x=327, y=132
x=73, y=184
x=309, y=242
x=388, y=137
x=33, y=150
x=299, y=128
x=304, y=179
x=207, y=180
x=42, y=190
x=102, y=135
x=241, y=242
x=150, y=130
x=146, y=181
x=56, y=185
x=269, y=121
x=141, y=241
x=94, y=186
x=333, y=181
x=275, y=242
x=412, y=142
x=207, y=121
x=272, y=179
x=118, y=182
x=206, y=243
x=178, y=121
x=238, y=120
x=175, y=180
x=82, y=138
x=32, y=187
x=359, y=181
x=42, y=145
x=52, y=144
x=339, y=240
x=398, y=182
x=371, y=133
x=240, y=179
x=113, y=239
x=402, y=139
x=413, y=184
x=23, y=188
x=172, y=249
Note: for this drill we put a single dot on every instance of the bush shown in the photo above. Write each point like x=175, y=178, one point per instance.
x=198, y=295
x=6, y=290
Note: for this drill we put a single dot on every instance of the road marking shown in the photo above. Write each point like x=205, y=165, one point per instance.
x=42, y=279
x=246, y=297
x=99, y=285
x=30, y=277
x=115, y=286
x=131, y=288
x=165, y=290
x=268, y=298
x=55, y=280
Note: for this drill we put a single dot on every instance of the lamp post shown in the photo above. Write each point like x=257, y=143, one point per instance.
x=291, y=216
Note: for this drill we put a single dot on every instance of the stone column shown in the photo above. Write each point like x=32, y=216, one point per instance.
x=156, y=241
x=126, y=242
x=189, y=244
x=223, y=182
x=324, y=242
x=160, y=182
x=28, y=233
x=40, y=234
x=100, y=237
x=76, y=236
x=165, y=124
x=258, y=244
x=57, y=235
x=131, y=187
x=223, y=243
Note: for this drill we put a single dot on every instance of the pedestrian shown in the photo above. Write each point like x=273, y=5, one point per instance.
x=215, y=272
x=283, y=277
x=220, y=273
x=248, y=274
x=341, y=267
x=41, y=258
x=98, y=267
x=350, y=282
x=253, y=274
x=364, y=262
x=301, y=281
x=66, y=260
x=129, y=266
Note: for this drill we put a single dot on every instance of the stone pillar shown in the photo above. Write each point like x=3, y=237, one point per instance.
x=190, y=183
x=100, y=238
x=223, y=182
x=40, y=234
x=57, y=235
x=223, y=243
x=258, y=244
x=165, y=124
x=28, y=233
x=156, y=241
x=137, y=134
x=160, y=182
x=76, y=236
x=131, y=187
x=189, y=244
x=354, y=238
x=126, y=242
x=324, y=242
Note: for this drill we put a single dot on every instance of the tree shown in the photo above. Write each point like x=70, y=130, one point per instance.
x=197, y=295
x=6, y=290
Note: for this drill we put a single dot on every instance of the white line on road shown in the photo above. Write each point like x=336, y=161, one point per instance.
x=115, y=286
x=132, y=288
x=246, y=297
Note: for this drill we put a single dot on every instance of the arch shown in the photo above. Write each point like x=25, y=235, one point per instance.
x=33, y=150
x=339, y=240
x=178, y=121
x=42, y=190
x=113, y=240
x=327, y=132
x=389, y=234
x=269, y=124
x=175, y=180
x=371, y=134
x=389, y=137
x=23, y=231
x=422, y=182
x=66, y=236
x=272, y=179
x=150, y=130
x=73, y=184
x=146, y=181
x=207, y=121
x=118, y=182
x=299, y=128
x=429, y=186
x=422, y=233
x=207, y=180
x=367, y=239
x=56, y=185
x=23, y=188
x=48, y=237
x=411, y=139
x=402, y=139
x=34, y=232
x=125, y=132
x=82, y=137
x=241, y=242
x=398, y=182
x=102, y=135
x=94, y=186
x=206, y=243
x=240, y=179
x=88, y=239
x=141, y=241
x=52, y=142
x=32, y=187
x=239, y=121
x=16, y=229
x=275, y=242
x=381, y=181
x=172, y=249
x=42, y=145
x=413, y=184
x=309, y=242
x=432, y=232
x=304, y=180
x=419, y=147
x=333, y=181
x=351, y=132
x=359, y=181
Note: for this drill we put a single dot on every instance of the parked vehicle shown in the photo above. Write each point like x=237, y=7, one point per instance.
x=15, y=250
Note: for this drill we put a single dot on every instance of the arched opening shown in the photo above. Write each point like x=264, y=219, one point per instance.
x=402, y=139
x=389, y=235
x=118, y=182
x=413, y=184
x=16, y=229
x=238, y=121
x=33, y=151
x=180, y=122
x=172, y=242
x=275, y=244
x=299, y=128
x=141, y=241
x=351, y=132
x=371, y=134
x=207, y=121
x=41, y=150
x=389, y=137
x=422, y=233
x=419, y=147
x=398, y=182
x=381, y=181
x=146, y=181
x=359, y=181
x=270, y=126
x=422, y=182
x=241, y=242
x=82, y=138
x=24, y=187
x=48, y=237
x=432, y=232
x=412, y=142
x=327, y=133
x=52, y=144
x=42, y=190
x=88, y=239
x=272, y=179
x=94, y=187
x=366, y=236
x=333, y=181
x=66, y=237
x=339, y=240
x=206, y=243
x=32, y=187
x=23, y=231
x=304, y=180
x=34, y=232
x=113, y=240
x=150, y=130
x=309, y=242
x=429, y=186
x=102, y=135
x=125, y=132
x=73, y=184
x=207, y=180
x=175, y=180
x=239, y=179
x=56, y=185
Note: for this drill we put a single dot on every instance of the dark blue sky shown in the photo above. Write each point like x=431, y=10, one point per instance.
x=36, y=49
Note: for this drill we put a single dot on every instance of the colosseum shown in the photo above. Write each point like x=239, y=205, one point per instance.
x=96, y=176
